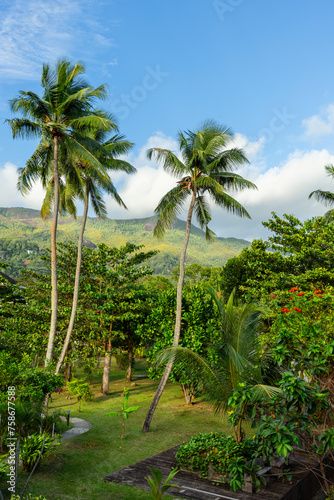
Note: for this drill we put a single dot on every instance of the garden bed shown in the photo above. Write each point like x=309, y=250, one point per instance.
x=303, y=485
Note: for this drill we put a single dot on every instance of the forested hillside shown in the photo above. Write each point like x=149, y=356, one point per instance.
x=24, y=235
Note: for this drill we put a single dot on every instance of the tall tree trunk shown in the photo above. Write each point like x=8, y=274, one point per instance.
x=177, y=329
x=76, y=285
x=68, y=371
x=129, y=370
x=106, y=370
x=54, y=292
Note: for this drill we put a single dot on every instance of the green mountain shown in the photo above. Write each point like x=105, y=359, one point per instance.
x=24, y=235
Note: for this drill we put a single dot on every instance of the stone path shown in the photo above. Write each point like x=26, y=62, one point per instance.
x=79, y=427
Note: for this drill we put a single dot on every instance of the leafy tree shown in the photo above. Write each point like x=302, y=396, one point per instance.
x=120, y=301
x=297, y=254
x=200, y=326
x=206, y=167
x=60, y=119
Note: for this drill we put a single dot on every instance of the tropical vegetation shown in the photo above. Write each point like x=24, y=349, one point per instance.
x=206, y=168
x=248, y=342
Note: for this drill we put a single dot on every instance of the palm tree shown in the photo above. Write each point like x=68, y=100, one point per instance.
x=62, y=115
x=94, y=181
x=236, y=354
x=206, y=167
x=325, y=197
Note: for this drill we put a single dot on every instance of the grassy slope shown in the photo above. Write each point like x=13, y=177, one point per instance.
x=78, y=468
x=16, y=223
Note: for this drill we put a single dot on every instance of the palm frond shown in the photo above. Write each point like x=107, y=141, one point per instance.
x=169, y=161
x=230, y=204
x=325, y=197
x=203, y=216
x=168, y=208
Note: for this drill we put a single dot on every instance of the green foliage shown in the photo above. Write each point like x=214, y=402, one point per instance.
x=217, y=453
x=199, y=326
x=297, y=254
x=122, y=360
x=80, y=389
x=234, y=356
x=21, y=254
x=301, y=335
x=31, y=384
x=4, y=466
x=204, y=167
x=125, y=411
x=157, y=487
x=16, y=223
x=291, y=416
x=32, y=446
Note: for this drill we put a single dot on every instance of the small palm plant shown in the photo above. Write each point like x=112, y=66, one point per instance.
x=157, y=488
x=125, y=411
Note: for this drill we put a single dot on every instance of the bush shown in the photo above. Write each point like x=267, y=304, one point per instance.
x=80, y=389
x=31, y=447
x=122, y=360
x=217, y=454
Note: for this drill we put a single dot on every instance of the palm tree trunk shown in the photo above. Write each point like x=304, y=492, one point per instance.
x=76, y=286
x=54, y=291
x=177, y=329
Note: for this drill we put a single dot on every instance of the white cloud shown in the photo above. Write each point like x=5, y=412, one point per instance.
x=283, y=189
x=142, y=191
x=10, y=196
x=320, y=125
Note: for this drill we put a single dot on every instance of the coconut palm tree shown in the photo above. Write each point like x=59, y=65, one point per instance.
x=62, y=115
x=325, y=197
x=206, y=168
x=90, y=186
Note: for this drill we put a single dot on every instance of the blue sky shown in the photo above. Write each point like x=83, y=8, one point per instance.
x=263, y=68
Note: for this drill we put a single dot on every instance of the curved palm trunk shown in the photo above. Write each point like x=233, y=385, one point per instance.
x=54, y=291
x=76, y=286
x=177, y=328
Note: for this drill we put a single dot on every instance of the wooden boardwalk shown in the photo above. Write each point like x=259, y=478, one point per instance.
x=192, y=488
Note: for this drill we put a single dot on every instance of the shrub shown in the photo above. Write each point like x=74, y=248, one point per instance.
x=80, y=389
x=31, y=447
x=122, y=360
x=217, y=453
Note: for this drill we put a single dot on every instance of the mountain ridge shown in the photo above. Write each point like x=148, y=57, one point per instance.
x=21, y=227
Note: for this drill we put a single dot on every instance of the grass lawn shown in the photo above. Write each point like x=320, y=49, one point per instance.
x=77, y=469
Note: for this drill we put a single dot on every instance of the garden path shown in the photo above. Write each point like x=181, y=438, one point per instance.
x=79, y=427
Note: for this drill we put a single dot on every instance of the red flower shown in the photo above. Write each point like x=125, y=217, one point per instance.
x=297, y=309
x=272, y=296
x=300, y=294
x=294, y=289
x=317, y=291
x=285, y=310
